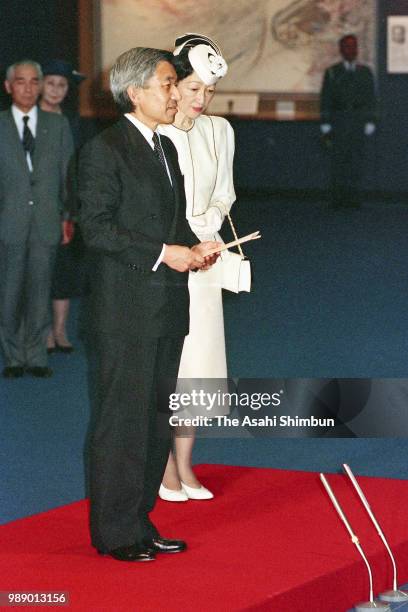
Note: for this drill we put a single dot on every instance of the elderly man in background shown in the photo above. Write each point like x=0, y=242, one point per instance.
x=35, y=149
x=133, y=218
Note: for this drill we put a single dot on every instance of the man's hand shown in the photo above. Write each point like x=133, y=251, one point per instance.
x=182, y=258
x=369, y=129
x=325, y=128
x=67, y=232
x=326, y=135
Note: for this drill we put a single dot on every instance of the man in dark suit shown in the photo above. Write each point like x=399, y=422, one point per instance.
x=348, y=111
x=35, y=149
x=133, y=220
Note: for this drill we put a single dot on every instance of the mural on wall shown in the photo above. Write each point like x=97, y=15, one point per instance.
x=271, y=45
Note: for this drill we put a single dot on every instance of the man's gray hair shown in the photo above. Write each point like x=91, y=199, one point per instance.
x=134, y=68
x=24, y=62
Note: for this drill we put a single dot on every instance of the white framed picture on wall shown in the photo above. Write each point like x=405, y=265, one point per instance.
x=397, y=44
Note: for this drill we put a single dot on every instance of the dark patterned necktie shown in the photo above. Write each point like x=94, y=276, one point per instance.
x=28, y=138
x=158, y=151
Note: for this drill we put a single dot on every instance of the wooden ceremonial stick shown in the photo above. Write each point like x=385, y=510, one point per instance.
x=253, y=236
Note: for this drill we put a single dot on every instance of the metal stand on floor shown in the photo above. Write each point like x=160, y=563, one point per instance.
x=367, y=605
x=395, y=594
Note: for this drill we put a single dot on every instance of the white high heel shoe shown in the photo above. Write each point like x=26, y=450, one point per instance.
x=172, y=496
x=193, y=493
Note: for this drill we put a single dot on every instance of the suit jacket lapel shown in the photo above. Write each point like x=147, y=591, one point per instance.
x=174, y=179
x=139, y=152
x=40, y=138
x=14, y=139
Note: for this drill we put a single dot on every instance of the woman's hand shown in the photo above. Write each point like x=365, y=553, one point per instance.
x=202, y=248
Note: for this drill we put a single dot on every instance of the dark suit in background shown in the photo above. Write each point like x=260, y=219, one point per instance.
x=348, y=104
x=31, y=209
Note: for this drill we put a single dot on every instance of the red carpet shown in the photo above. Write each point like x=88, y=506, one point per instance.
x=270, y=540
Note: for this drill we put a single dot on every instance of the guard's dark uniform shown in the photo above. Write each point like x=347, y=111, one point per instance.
x=347, y=103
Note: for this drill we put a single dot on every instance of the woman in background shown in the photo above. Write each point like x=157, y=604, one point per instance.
x=59, y=76
x=205, y=147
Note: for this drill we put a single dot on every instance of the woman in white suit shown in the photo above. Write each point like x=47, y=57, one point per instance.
x=205, y=146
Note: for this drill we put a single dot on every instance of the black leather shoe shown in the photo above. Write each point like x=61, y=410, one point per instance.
x=39, y=371
x=130, y=553
x=13, y=372
x=161, y=545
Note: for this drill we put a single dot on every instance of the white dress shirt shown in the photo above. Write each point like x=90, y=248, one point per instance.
x=32, y=124
x=349, y=65
x=147, y=133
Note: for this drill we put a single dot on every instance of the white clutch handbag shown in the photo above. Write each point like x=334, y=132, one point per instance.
x=235, y=268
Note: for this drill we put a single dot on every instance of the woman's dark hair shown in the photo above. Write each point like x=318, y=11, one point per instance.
x=182, y=64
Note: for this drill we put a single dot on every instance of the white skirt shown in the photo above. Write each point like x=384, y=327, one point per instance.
x=203, y=355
